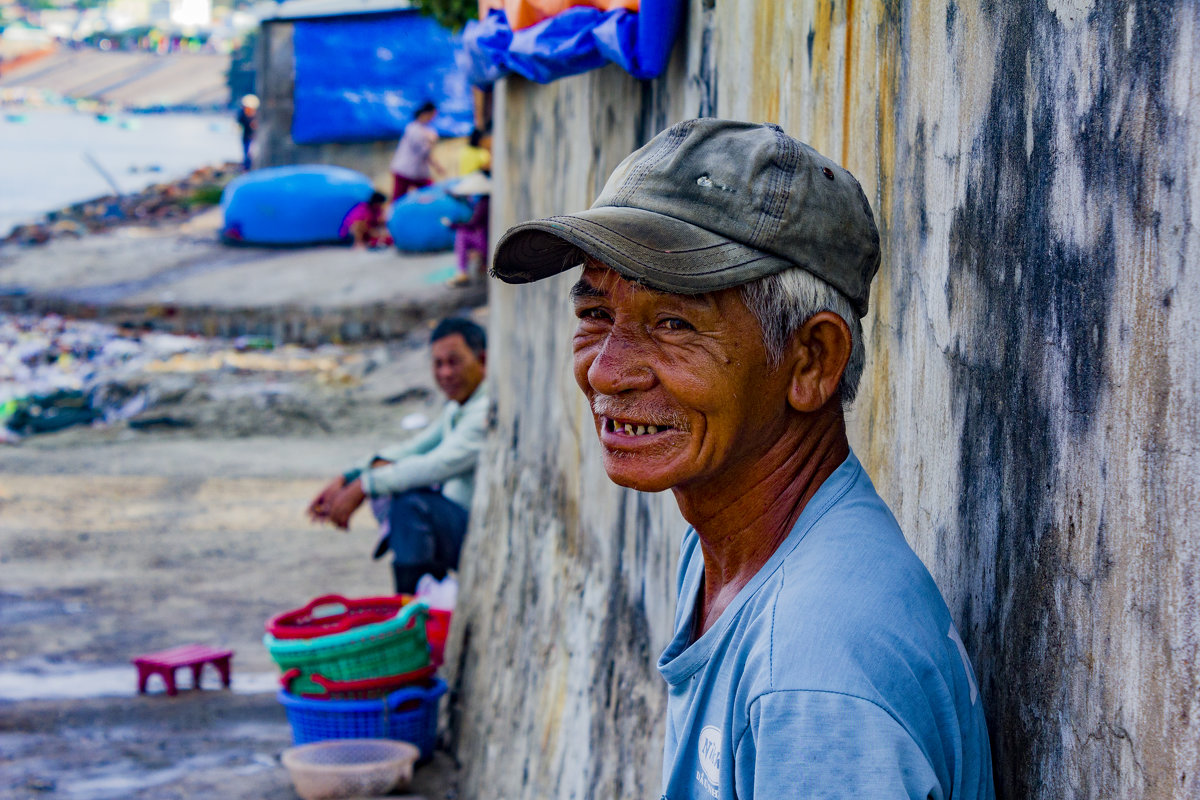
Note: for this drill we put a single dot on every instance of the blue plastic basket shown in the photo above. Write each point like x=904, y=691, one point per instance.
x=408, y=715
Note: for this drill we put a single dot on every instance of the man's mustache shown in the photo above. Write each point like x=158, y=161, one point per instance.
x=604, y=405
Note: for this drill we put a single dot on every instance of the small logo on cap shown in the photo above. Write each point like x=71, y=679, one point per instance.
x=709, y=183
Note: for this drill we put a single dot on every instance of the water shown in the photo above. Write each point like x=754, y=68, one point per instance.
x=42, y=164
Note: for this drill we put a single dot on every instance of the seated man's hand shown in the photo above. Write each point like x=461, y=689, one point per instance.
x=346, y=503
x=318, y=509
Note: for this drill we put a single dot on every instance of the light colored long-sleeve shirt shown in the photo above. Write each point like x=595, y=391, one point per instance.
x=444, y=453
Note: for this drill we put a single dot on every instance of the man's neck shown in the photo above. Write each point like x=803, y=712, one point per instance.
x=743, y=522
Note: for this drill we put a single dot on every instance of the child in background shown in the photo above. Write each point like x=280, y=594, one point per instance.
x=477, y=154
x=471, y=237
x=366, y=224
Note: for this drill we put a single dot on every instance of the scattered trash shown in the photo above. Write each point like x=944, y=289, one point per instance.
x=159, y=422
x=57, y=373
x=50, y=412
x=414, y=421
x=253, y=343
x=415, y=393
x=441, y=595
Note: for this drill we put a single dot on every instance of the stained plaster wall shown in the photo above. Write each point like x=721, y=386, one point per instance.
x=1030, y=408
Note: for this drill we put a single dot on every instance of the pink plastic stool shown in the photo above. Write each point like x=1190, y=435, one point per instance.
x=189, y=655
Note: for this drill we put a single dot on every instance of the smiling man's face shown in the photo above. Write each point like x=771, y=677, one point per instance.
x=680, y=386
x=457, y=368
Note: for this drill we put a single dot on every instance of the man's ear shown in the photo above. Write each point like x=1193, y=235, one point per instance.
x=819, y=352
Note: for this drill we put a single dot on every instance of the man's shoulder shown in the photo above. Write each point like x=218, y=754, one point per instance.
x=848, y=602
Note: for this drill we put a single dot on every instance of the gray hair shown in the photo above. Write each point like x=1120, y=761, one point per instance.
x=784, y=301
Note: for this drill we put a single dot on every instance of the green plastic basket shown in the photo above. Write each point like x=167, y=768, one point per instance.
x=377, y=650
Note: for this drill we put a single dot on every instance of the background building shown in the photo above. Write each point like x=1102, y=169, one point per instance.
x=339, y=81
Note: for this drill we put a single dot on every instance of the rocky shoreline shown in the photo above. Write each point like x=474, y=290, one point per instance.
x=173, y=201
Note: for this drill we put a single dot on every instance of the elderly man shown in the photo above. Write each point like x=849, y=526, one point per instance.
x=726, y=268
x=421, y=490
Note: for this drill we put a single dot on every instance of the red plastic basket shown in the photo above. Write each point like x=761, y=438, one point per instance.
x=437, y=628
x=332, y=613
x=366, y=689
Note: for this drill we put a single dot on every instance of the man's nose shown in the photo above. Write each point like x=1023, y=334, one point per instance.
x=622, y=364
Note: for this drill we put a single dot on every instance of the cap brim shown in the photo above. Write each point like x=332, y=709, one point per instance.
x=661, y=252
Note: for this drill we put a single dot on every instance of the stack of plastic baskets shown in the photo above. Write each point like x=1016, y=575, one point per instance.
x=408, y=714
x=437, y=628
x=357, y=668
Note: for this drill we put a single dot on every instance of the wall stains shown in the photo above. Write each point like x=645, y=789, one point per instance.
x=1031, y=288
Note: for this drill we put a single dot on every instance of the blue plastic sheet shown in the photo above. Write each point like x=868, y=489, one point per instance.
x=291, y=205
x=577, y=40
x=360, y=78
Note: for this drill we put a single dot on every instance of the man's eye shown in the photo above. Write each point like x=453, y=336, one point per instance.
x=592, y=313
x=677, y=324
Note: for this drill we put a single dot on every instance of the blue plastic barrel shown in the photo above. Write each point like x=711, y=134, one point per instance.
x=416, y=222
x=303, y=204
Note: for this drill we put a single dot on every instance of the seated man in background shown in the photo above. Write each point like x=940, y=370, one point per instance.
x=421, y=490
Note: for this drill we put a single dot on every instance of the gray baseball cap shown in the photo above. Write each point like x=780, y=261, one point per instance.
x=710, y=204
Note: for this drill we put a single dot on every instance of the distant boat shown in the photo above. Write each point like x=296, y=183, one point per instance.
x=102, y=117
x=16, y=118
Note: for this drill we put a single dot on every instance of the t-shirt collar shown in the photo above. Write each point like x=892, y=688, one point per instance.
x=680, y=660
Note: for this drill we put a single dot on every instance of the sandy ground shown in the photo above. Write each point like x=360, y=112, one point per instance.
x=116, y=542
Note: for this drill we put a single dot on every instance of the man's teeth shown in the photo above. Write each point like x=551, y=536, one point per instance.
x=630, y=429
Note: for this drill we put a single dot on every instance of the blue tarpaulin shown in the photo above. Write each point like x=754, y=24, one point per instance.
x=574, y=41
x=360, y=78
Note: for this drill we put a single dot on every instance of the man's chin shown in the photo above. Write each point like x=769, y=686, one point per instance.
x=642, y=477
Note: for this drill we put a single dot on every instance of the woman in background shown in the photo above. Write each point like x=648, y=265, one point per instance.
x=413, y=166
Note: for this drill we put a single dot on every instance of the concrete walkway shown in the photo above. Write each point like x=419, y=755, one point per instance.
x=179, y=277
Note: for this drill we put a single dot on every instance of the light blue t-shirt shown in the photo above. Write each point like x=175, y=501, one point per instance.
x=835, y=673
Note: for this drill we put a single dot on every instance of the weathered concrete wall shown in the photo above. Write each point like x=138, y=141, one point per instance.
x=571, y=579
x=1031, y=408
x=276, y=78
